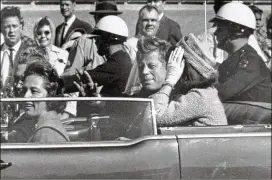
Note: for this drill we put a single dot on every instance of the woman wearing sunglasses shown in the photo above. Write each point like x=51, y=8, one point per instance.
x=44, y=37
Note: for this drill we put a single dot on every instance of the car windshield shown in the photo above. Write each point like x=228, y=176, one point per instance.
x=97, y=119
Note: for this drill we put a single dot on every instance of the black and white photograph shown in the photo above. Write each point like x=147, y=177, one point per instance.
x=135, y=89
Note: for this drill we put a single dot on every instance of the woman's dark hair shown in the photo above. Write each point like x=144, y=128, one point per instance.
x=192, y=79
x=52, y=82
x=43, y=22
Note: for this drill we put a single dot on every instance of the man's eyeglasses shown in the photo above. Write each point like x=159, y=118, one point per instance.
x=45, y=32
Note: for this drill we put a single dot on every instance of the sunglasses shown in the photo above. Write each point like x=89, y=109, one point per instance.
x=45, y=32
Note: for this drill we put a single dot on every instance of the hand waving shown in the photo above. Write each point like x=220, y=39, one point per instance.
x=86, y=86
x=175, y=66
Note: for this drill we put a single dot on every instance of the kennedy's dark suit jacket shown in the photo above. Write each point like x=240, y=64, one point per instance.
x=169, y=30
x=77, y=24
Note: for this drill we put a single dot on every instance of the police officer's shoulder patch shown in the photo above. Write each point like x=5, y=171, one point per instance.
x=243, y=63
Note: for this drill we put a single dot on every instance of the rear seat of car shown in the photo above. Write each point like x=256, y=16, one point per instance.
x=247, y=112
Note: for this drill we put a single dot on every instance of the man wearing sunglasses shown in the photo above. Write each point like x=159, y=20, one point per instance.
x=169, y=30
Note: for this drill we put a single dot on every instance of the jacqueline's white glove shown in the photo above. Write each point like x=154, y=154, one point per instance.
x=175, y=66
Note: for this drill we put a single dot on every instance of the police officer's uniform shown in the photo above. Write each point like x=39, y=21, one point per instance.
x=244, y=77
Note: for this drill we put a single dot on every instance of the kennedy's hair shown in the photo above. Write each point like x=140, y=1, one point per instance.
x=147, y=45
x=11, y=11
x=147, y=7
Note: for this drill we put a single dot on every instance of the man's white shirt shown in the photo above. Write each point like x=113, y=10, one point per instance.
x=5, y=62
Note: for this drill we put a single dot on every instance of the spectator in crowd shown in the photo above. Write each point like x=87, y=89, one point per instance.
x=102, y=8
x=169, y=30
x=40, y=121
x=44, y=35
x=243, y=76
x=268, y=49
x=260, y=32
x=71, y=22
x=148, y=22
x=57, y=57
x=83, y=53
x=195, y=100
x=258, y=39
x=11, y=27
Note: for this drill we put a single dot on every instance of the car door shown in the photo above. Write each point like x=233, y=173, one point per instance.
x=229, y=154
x=102, y=155
x=147, y=157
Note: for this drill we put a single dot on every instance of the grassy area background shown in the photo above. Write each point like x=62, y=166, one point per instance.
x=190, y=18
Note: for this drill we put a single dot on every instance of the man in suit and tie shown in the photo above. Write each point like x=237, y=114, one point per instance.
x=11, y=28
x=169, y=30
x=71, y=22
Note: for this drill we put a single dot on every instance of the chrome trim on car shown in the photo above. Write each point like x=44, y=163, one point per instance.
x=225, y=135
x=76, y=99
x=116, y=143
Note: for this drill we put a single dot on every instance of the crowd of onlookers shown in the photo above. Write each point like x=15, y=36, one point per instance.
x=188, y=77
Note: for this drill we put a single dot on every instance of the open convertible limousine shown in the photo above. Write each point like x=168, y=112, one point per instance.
x=119, y=138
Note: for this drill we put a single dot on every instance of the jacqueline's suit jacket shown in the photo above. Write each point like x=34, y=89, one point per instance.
x=77, y=24
x=169, y=30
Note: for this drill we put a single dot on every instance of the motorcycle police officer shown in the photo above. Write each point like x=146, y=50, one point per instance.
x=243, y=76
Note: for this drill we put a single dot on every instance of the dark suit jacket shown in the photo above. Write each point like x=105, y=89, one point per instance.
x=23, y=46
x=77, y=24
x=169, y=30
